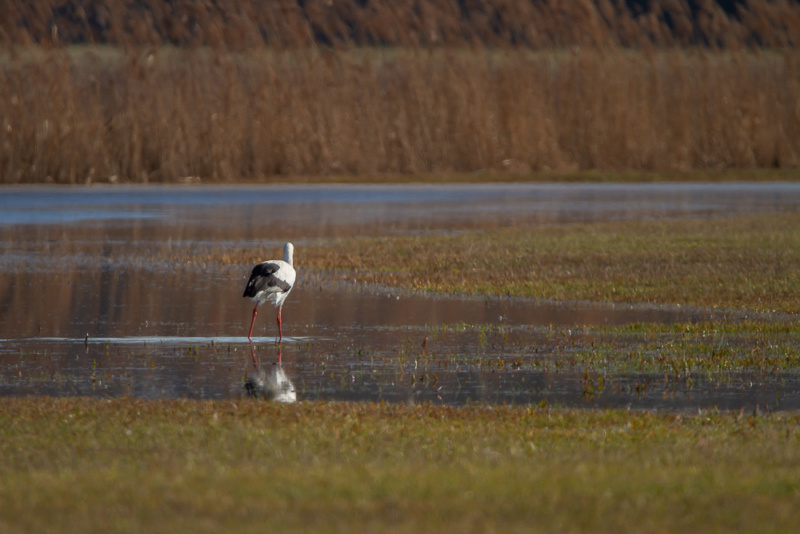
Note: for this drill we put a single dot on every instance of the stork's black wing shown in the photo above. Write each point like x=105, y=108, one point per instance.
x=265, y=277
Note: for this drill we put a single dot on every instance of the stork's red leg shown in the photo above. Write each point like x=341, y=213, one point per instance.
x=255, y=312
x=280, y=330
x=253, y=354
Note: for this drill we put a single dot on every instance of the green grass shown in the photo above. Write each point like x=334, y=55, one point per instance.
x=749, y=263
x=79, y=465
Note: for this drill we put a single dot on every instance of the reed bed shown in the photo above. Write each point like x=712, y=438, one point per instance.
x=95, y=114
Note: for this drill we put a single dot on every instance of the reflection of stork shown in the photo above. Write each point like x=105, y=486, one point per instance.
x=272, y=386
x=271, y=281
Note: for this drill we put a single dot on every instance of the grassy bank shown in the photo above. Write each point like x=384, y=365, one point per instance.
x=124, y=465
x=163, y=115
x=746, y=263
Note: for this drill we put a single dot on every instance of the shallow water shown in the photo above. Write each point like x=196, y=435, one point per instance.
x=322, y=210
x=92, y=304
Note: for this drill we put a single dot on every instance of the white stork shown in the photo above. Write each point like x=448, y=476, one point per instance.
x=271, y=281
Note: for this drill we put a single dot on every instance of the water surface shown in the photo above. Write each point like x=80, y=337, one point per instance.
x=93, y=303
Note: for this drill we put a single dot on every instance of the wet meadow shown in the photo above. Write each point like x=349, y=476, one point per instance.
x=575, y=357
x=522, y=294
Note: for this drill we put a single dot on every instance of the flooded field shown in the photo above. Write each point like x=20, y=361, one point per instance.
x=93, y=302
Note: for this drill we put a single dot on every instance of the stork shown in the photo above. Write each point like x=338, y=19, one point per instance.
x=271, y=281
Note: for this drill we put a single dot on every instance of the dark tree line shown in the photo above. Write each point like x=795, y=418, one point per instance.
x=242, y=24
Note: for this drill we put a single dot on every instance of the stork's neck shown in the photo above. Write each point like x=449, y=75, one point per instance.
x=288, y=254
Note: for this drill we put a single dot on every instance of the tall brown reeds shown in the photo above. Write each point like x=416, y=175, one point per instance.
x=237, y=89
x=164, y=115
